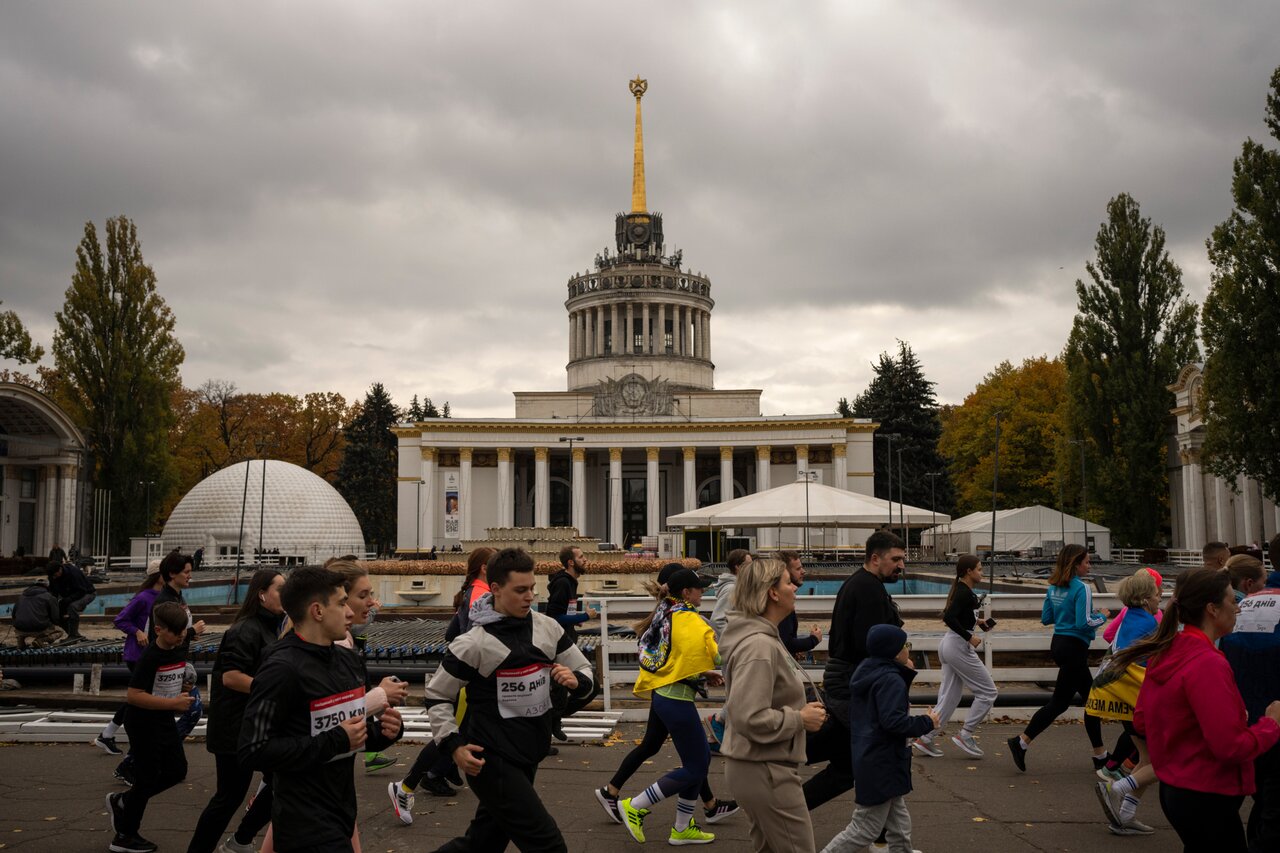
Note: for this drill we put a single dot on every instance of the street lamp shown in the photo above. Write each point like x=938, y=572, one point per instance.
x=1084, y=495
x=146, y=527
x=244, y=500
x=889, y=437
x=809, y=477
x=902, y=521
x=262, y=496
x=933, y=507
x=995, y=485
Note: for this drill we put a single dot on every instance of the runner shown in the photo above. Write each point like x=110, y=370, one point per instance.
x=239, y=656
x=675, y=651
x=655, y=733
x=1068, y=607
x=155, y=695
x=958, y=654
x=306, y=721
x=508, y=661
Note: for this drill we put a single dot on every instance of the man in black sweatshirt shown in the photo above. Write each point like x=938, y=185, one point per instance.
x=305, y=721
x=512, y=662
x=861, y=604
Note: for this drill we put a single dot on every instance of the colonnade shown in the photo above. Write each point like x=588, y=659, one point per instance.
x=691, y=330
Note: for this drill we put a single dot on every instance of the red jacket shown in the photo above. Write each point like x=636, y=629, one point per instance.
x=1195, y=723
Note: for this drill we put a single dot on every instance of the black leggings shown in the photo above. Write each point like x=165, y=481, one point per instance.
x=655, y=735
x=509, y=812
x=1072, y=657
x=233, y=783
x=429, y=760
x=158, y=765
x=1206, y=823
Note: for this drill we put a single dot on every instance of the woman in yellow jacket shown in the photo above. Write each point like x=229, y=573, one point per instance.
x=678, y=648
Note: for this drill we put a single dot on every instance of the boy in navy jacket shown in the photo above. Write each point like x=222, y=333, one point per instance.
x=883, y=728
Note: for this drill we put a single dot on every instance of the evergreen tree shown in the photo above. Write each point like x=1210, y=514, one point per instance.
x=1133, y=330
x=367, y=474
x=429, y=409
x=117, y=363
x=445, y=413
x=414, y=413
x=15, y=340
x=1241, y=401
x=902, y=401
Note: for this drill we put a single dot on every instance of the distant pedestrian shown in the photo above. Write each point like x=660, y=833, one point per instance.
x=74, y=592
x=35, y=616
x=1068, y=607
x=880, y=713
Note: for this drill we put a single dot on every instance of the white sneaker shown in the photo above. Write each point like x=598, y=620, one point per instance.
x=401, y=802
x=233, y=846
x=965, y=741
x=925, y=746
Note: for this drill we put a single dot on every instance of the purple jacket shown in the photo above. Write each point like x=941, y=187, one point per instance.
x=132, y=618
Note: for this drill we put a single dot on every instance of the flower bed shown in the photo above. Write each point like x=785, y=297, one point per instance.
x=541, y=567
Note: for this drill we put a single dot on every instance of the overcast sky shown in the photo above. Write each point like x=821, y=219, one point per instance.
x=333, y=194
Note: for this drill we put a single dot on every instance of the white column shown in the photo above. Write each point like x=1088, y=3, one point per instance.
x=426, y=524
x=1197, y=505
x=1188, y=526
x=697, y=334
x=707, y=325
x=615, y=495
x=690, y=479
x=68, y=533
x=840, y=461
x=660, y=334
x=726, y=473
x=647, y=346
x=628, y=341
x=49, y=498
x=599, y=321
x=615, y=347
x=1220, y=512
x=651, y=484
x=579, y=500
x=1247, y=488
x=506, y=504
x=573, y=337
x=765, y=536
x=464, y=486
x=541, y=489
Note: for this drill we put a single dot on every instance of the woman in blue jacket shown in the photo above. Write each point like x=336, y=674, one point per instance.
x=1068, y=607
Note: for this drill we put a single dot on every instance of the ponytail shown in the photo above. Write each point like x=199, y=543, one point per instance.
x=965, y=564
x=659, y=593
x=1194, y=591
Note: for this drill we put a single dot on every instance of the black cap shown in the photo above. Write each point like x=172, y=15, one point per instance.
x=668, y=570
x=685, y=579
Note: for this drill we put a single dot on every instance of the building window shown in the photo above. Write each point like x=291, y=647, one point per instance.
x=27, y=483
x=608, y=336
x=638, y=338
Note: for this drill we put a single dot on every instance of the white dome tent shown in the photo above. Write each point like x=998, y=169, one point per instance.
x=302, y=517
x=1017, y=529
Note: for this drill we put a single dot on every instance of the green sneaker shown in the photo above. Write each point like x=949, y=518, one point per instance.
x=375, y=761
x=633, y=818
x=690, y=835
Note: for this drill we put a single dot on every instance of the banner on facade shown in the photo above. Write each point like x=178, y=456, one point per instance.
x=452, y=508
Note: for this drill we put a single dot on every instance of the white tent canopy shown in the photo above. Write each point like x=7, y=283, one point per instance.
x=1018, y=529
x=785, y=506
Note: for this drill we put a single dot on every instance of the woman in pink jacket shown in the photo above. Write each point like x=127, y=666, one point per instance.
x=1193, y=718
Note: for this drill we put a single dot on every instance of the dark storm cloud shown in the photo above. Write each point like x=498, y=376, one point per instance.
x=334, y=194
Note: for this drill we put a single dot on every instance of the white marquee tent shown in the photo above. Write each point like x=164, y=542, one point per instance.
x=1019, y=529
x=799, y=505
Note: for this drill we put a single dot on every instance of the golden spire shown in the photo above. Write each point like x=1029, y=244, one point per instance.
x=638, y=205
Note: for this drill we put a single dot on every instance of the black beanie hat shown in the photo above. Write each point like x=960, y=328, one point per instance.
x=885, y=641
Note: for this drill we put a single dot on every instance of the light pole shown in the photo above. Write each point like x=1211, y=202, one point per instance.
x=262, y=497
x=995, y=485
x=889, y=437
x=902, y=521
x=808, y=478
x=244, y=500
x=146, y=527
x=933, y=508
x=1084, y=496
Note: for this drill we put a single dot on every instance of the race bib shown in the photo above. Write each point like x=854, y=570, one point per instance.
x=1259, y=613
x=524, y=692
x=168, y=681
x=572, y=608
x=332, y=711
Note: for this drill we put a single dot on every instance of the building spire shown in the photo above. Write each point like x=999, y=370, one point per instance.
x=638, y=204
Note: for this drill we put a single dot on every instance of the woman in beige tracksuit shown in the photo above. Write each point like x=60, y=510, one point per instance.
x=766, y=716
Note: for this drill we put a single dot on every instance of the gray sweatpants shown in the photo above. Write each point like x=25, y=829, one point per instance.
x=961, y=666
x=868, y=821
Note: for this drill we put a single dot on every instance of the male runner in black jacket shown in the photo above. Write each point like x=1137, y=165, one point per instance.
x=305, y=720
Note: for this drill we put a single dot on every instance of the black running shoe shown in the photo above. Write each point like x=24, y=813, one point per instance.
x=1019, y=753
x=114, y=808
x=437, y=787
x=108, y=745
x=124, y=773
x=454, y=775
x=131, y=844
x=1100, y=762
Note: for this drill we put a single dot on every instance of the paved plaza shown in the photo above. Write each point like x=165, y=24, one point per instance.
x=52, y=800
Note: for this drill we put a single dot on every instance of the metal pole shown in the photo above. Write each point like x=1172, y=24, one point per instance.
x=806, y=509
x=889, y=456
x=995, y=485
x=240, y=542
x=902, y=521
x=262, y=506
x=1084, y=498
x=1062, y=512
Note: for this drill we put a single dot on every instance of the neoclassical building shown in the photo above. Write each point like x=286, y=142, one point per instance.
x=41, y=454
x=640, y=433
x=1204, y=507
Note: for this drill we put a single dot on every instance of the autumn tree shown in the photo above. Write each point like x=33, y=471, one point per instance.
x=901, y=399
x=1133, y=330
x=1031, y=400
x=15, y=340
x=367, y=474
x=1242, y=320
x=117, y=361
